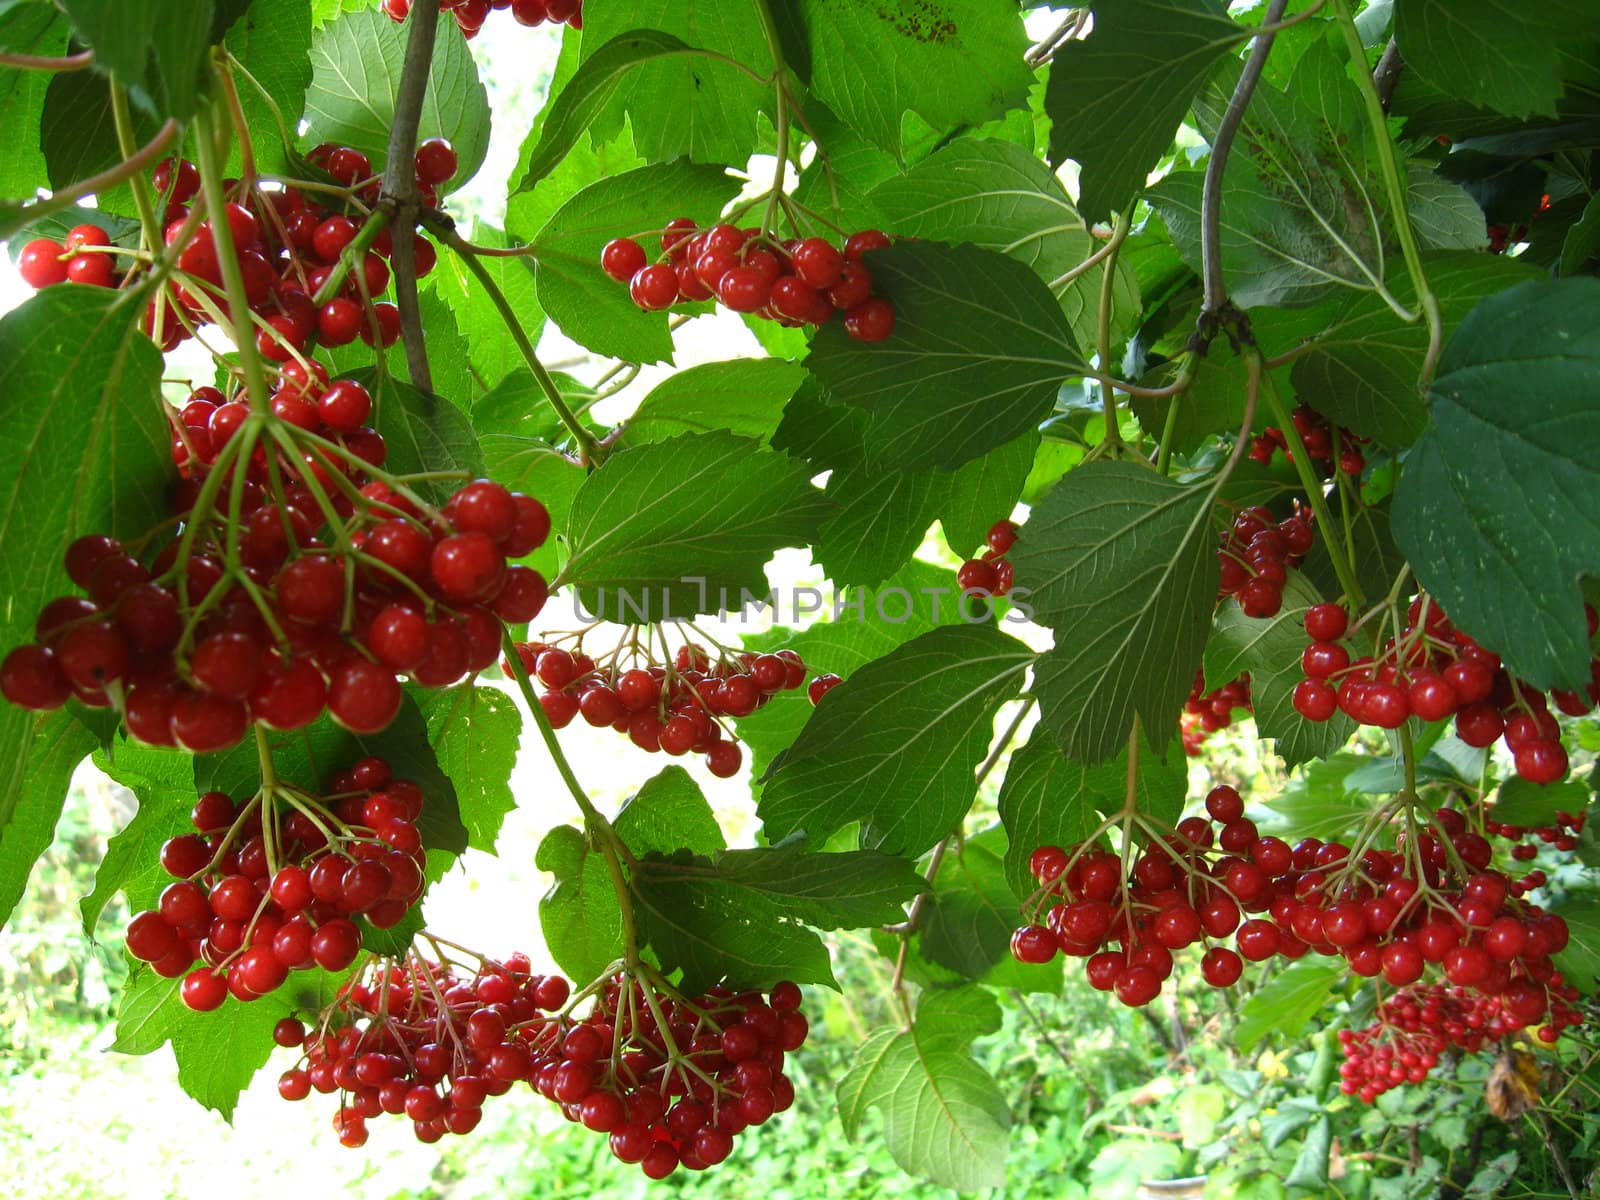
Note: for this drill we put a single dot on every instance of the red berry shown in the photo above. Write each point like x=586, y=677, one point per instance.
x=436, y=161
x=622, y=259
x=41, y=263
x=654, y=288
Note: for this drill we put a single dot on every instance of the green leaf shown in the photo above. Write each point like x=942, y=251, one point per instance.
x=1580, y=961
x=669, y=813
x=1582, y=242
x=592, y=308
x=714, y=930
x=1269, y=651
x=744, y=396
x=579, y=915
x=968, y=921
x=913, y=601
x=1311, y=1164
x=1116, y=98
x=1499, y=508
x=528, y=465
x=422, y=432
x=846, y=890
x=589, y=90
x=952, y=62
x=1512, y=58
x=1317, y=802
x=273, y=42
x=474, y=731
x=355, y=61
x=1362, y=373
x=978, y=351
x=944, y=1117
x=26, y=29
x=895, y=745
x=147, y=45
x=1443, y=213
x=1119, y=562
x=677, y=104
x=1048, y=800
x=1534, y=805
x=79, y=389
x=40, y=752
x=1286, y=1004
x=490, y=349
x=985, y=491
x=878, y=521
x=163, y=782
x=684, y=526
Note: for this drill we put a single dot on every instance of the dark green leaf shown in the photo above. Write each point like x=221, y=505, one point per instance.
x=26, y=29
x=952, y=62
x=681, y=105
x=355, y=61
x=669, y=813
x=1580, y=961
x=1499, y=507
x=1582, y=243
x=1115, y=99
x=590, y=89
x=1443, y=213
x=273, y=42
x=895, y=745
x=1534, y=805
x=474, y=732
x=1508, y=57
x=590, y=307
x=978, y=352
x=1048, y=800
x=1119, y=562
x=1269, y=652
x=40, y=752
x=78, y=134
x=715, y=930
x=1362, y=373
x=744, y=396
x=878, y=521
x=684, y=526
x=984, y=491
x=968, y=921
x=157, y=51
x=579, y=915
x=1286, y=1004
x=423, y=432
x=163, y=782
x=944, y=1117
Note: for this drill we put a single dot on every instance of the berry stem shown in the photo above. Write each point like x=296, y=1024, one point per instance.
x=1108, y=396
x=241, y=127
x=1338, y=547
x=769, y=27
x=1388, y=161
x=232, y=276
x=128, y=148
x=38, y=62
x=588, y=448
x=266, y=98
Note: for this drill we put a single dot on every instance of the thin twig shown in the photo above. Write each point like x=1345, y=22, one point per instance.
x=95, y=184
x=1216, y=290
x=35, y=62
x=1063, y=33
x=400, y=182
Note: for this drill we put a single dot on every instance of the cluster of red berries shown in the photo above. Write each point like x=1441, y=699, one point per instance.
x=672, y=1081
x=86, y=255
x=1563, y=835
x=991, y=571
x=1433, y=670
x=1389, y=913
x=1256, y=554
x=191, y=651
x=1416, y=1026
x=288, y=245
x=1317, y=435
x=269, y=886
x=1206, y=712
x=668, y=707
x=415, y=1038
x=799, y=281
x=470, y=15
